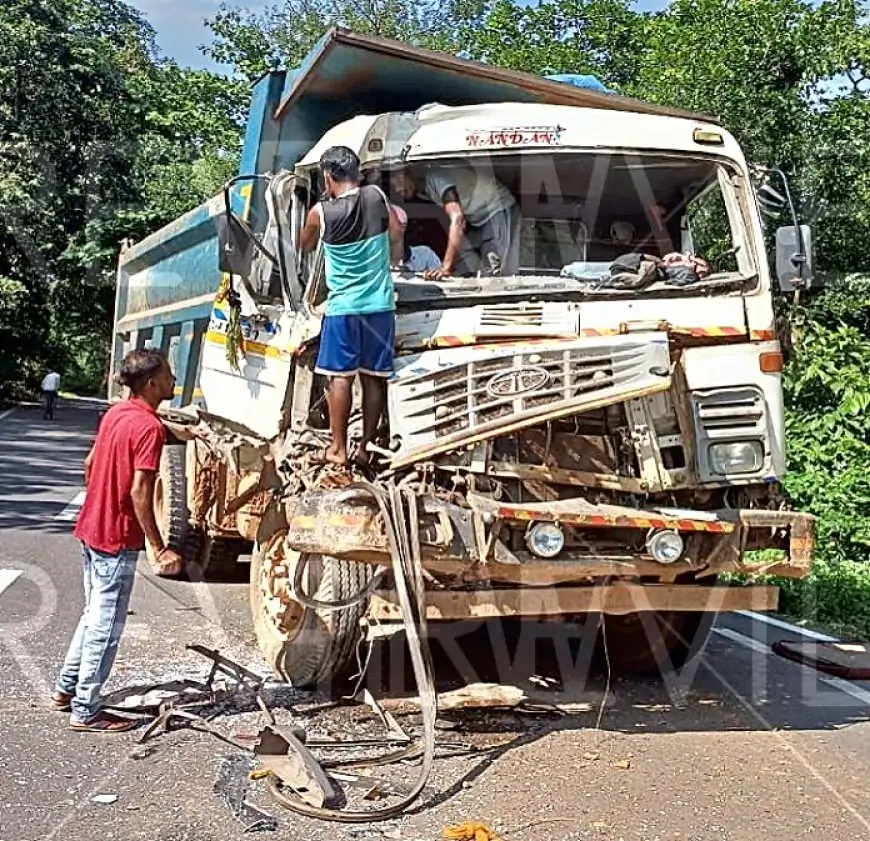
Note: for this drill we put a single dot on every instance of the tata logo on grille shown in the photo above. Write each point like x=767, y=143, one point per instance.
x=517, y=382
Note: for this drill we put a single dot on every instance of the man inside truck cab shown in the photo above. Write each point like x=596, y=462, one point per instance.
x=360, y=232
x=484, y=233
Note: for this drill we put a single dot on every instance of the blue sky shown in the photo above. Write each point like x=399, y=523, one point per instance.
x=180, y=28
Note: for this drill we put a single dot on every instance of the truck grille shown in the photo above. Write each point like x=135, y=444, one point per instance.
x=497, y=319
x=730, y=413
x=486, y=390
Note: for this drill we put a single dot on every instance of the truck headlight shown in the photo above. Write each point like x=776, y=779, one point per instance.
x=736, y=457
x=665, y=546
x=545, y=540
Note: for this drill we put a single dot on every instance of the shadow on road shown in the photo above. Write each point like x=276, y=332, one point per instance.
x=41, y=463
x=724, y=689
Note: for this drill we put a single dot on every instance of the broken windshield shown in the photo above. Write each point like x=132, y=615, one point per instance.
x=608, y=220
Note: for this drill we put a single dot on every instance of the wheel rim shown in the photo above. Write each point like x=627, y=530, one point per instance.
x=284, y=615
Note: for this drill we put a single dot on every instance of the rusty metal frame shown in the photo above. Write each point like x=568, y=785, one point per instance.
x=614, y=599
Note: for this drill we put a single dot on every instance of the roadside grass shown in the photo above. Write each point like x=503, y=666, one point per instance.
x=835, y=596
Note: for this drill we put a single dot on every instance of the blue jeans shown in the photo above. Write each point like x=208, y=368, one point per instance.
x=108, y=583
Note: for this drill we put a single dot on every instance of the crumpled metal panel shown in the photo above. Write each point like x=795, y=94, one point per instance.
x=442, y=400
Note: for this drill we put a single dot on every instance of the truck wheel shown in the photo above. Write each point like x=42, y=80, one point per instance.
x=307, y=648
x=219, y=558
x=170, y=507
x=654, y=643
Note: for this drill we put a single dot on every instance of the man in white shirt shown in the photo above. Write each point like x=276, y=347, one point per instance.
x=484, y=235
x=50, y=388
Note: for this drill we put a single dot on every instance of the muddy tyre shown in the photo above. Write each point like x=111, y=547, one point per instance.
x=170, y=507
x=307, y=648
x=653, y=643
x=219, y=558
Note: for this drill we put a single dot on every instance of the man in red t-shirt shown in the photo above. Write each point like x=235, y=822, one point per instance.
x=114, y=522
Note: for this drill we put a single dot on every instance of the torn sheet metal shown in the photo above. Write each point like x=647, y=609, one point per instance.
x=282, y=753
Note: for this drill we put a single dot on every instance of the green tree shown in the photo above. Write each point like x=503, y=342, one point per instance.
x=764, y=69
x=282, y=34
x=63, y=68
x=560, y=36
x=100, y=140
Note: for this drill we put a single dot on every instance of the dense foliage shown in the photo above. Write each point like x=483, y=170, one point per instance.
x=99, y=140
x=102, y=139
x=828, y=433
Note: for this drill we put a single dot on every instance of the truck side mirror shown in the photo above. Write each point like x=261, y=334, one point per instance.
x=235, y=245
x=794, y=261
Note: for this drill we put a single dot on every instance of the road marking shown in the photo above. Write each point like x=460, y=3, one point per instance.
x=4, y=415
x=71, y=512
x=837, y=683
x=786, y=626
x=8, y=577
x=741, y=639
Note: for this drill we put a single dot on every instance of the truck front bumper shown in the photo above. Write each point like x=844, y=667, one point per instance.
x=469, y=543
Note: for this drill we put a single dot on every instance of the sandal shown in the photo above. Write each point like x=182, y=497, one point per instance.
x=104, y=723
x=61, y=702
x=365, y=468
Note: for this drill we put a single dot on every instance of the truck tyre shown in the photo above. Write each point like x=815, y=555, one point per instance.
x=170, y=507
x=308, y=648
x=654, y=643
x=219, y=558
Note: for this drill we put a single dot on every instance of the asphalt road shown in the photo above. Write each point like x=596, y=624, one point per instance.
x=745, y=745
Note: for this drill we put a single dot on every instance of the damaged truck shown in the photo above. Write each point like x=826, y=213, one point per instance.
x=600, y=434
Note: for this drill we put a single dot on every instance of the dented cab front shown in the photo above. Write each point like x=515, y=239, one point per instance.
x=612, y=439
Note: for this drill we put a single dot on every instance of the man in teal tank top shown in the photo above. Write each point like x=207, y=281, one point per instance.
x=359, y=230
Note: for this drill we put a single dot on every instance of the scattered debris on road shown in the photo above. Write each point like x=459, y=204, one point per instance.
x=105, y=799
x=285, y=756
x=470, y=831
x=231, y=785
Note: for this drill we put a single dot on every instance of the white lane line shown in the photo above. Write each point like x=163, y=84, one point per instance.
x=742, y=639
x=8, y=577
x=837, y=683
x=71, y=512
x=786, y=626
x=4, y=415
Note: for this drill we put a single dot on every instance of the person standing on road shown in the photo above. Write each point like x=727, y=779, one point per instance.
x=115, y=520
x=359, y=231
x=50, y=388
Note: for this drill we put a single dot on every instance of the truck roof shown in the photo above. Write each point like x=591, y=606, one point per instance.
x=437, y=131
x=379, y=69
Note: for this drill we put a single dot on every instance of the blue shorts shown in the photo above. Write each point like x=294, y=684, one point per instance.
x=357, y=343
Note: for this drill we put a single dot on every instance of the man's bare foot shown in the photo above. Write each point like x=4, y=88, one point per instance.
x=331, y=455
